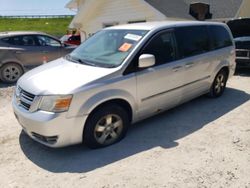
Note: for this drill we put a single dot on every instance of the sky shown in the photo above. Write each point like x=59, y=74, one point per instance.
x=34, y=7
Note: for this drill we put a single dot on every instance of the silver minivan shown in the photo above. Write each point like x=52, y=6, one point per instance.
x=121, y=75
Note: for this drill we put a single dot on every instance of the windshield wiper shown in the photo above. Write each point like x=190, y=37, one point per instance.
x=78, y=60
x=86, y=62
x=70, y=58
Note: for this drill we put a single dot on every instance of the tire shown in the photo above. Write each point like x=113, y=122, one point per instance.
x=219, y=84
x=10, y=72
x=106, y=126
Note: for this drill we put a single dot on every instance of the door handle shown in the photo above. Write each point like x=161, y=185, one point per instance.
x=18, y=52
x=175, y=69
x=188, y=65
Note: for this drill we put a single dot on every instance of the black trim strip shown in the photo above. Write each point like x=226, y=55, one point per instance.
x=164, y=92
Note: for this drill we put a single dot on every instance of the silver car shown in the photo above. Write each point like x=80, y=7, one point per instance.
x=120, y=76
x=21, y=51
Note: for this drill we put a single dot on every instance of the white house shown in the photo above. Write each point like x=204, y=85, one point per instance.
x=93, y=15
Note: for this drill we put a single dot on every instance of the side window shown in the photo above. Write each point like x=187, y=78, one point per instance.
x=47, y=41
x=16, y=40
x=220, y=37
x=192, y=40
x=25, y=40
x=6, y=40
x=28, y=40
x=162, y=47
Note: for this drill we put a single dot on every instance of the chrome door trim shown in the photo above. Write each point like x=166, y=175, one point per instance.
x=164, y=92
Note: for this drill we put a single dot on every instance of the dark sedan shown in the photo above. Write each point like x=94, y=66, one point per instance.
x=21, y=51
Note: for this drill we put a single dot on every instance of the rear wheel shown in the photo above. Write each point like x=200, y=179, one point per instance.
x=10, y=72
x=106, y=126
x=219, y=84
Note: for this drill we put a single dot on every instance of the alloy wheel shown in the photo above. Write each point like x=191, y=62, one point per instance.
x=11, y=73
x=220, y=83
x=108, y=129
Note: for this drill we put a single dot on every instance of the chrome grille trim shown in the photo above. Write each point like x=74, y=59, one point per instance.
x=25, y=98
x=25, y=106
x=242, y=54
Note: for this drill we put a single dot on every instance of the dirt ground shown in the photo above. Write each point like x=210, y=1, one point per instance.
x=203, y=143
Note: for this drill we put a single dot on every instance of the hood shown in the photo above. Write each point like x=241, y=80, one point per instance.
x=60, y=77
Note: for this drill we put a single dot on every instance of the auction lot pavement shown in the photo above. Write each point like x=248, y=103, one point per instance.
x=203, y=143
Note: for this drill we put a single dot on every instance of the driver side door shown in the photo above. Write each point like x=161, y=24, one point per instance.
x=160, y=87
x=50, y=47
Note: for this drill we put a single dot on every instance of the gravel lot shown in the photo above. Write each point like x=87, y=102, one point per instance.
x=203, y=143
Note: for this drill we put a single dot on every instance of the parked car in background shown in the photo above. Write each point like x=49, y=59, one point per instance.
x=242, y=52
x=122, y=75
x=240, y=29
x=21, y=51
x=71, y=39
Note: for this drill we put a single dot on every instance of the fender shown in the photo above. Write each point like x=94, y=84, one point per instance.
x=105, y=96
x=217, y=69
x=113, y=94
x=222, y=63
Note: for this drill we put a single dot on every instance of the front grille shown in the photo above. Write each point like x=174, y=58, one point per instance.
x=46, y=139
x=25, y=98
x=243, y=53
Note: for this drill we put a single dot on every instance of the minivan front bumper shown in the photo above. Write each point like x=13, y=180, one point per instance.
x=50, y=129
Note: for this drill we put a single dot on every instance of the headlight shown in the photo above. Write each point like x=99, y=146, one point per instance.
x=55, y=103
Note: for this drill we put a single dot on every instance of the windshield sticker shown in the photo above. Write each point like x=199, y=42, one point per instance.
x=133, y=37
x=125, y=47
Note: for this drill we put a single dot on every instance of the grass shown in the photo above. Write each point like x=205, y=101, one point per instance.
x=53, y=26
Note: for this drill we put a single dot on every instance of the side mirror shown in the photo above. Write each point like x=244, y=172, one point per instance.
x=146, y=60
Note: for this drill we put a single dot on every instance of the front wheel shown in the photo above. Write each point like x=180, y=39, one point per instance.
x=219, y=84
x=106, y=126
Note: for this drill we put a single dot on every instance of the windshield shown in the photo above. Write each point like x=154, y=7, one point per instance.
x=107, y=48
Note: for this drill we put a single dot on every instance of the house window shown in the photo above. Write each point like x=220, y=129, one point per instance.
x=136, y=21
x=109, y=24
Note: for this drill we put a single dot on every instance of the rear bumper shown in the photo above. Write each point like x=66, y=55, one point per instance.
x=50, y=129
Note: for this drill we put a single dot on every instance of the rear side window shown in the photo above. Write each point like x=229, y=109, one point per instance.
x=27, y=40
x=220, y=37
x=17, y=40
x=6, y=40
x=192, y=40
x=13, y=40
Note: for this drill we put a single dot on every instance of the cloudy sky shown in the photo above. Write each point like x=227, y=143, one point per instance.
x=34, y=7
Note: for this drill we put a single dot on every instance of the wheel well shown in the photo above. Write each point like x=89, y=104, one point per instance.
x=120, y=102
x=226, y=69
